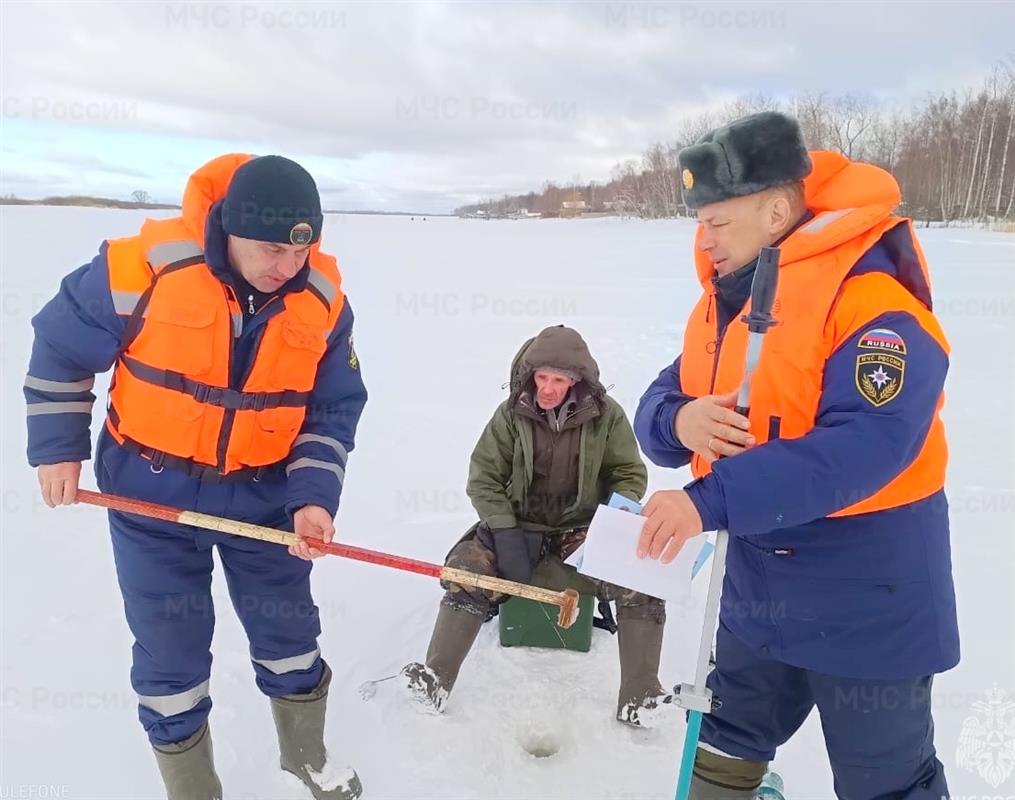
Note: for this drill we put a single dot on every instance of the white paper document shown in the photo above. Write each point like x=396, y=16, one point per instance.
x=610, y=554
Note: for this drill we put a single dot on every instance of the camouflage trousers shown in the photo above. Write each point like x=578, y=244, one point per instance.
x=475, y=553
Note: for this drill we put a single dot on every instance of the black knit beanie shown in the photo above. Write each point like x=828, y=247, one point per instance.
x=273, y=199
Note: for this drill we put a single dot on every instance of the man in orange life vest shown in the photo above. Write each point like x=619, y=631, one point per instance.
x=236, y=391
x=838, y=591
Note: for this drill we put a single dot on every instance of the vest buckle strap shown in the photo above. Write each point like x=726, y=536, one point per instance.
x=200, y=392
x=256, y=401
x=156, y=457
x=241, y=401
x=214, y=395
x=169, y=379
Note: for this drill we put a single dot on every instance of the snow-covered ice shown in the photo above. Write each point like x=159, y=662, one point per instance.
x=441, y=307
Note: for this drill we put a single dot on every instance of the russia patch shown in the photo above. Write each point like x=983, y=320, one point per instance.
x=879, y=377
x=883, y=339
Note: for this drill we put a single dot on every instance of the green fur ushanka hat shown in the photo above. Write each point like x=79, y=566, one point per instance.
x=747, y=156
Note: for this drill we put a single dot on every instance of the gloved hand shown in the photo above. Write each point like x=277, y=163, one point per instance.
x=513, y=560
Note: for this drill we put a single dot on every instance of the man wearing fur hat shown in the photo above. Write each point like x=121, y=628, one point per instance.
x=838, y=591
x=553, y=451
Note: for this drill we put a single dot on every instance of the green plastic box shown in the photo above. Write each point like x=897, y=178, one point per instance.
x=526, y=623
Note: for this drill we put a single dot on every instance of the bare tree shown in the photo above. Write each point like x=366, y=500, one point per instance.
x=983, y=104
x=886, y=138
x=812, y=112
x=692, y=130
x=1010, y=107
x=849, y=120
x=660, y=172
x=744, y=106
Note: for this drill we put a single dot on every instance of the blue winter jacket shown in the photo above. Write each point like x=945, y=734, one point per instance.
x=863, y=596
x=78, y=335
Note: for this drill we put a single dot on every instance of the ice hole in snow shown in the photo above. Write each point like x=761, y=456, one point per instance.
x=539, y=741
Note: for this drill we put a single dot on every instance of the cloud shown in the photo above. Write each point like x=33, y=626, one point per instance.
x=90, y=162
x=422, y=99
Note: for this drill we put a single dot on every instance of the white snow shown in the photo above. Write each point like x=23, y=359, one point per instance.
x=441, y=306
x=333, y=775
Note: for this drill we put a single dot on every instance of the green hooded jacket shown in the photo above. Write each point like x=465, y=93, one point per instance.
x=501, y=469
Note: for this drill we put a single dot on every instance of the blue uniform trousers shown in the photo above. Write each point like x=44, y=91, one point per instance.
x=164, y=570
x=879, y=733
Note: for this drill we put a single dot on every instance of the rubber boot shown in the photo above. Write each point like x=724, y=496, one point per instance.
x=188, y=769
x=452, y=639
x=702, y=790
x=720, y=777
x=299, y=721
x=640, y=642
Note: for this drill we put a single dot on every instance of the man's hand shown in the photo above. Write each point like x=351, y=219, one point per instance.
x=59, y=482
x=512, y=551
x=711, y=428
x=672, y=520
x=314, y=522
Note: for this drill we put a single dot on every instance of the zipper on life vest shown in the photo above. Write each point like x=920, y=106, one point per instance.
x=254, y=347
x=230, y=413
x=227, y=416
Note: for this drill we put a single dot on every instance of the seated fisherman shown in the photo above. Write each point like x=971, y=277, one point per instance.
x=554, y=450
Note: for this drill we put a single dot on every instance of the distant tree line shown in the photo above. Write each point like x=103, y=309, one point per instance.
x=953, y=154
x=138, y=199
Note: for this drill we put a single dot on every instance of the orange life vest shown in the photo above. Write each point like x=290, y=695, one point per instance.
x=818, y=309
x=171, y=396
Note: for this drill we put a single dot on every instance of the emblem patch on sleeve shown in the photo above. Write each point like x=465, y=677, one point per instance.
x=879, y=376
x=883, y=339
x=353, y=358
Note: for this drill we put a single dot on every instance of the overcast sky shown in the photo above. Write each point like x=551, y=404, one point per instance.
x=425, y=106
